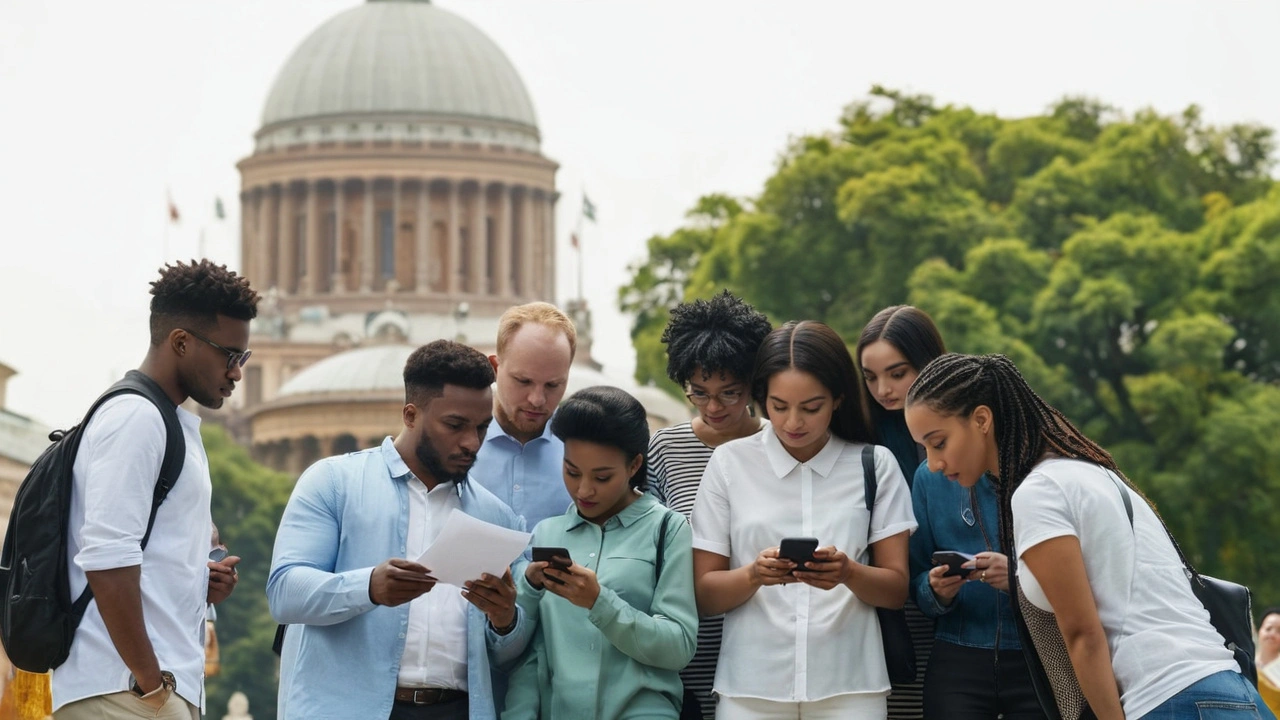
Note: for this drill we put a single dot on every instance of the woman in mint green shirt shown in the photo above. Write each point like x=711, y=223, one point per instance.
x=616, y=620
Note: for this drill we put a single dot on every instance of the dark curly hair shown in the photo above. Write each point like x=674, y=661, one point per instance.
x=606, y=416
x=195, y=295
x=440, y=363
x=720, y=335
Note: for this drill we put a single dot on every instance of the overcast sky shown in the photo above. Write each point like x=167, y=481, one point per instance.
x=646, y=104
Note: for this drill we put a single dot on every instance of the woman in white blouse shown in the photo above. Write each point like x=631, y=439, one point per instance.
x=801, y=641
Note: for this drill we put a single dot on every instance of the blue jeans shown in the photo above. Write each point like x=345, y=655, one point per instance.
x=1221, y=696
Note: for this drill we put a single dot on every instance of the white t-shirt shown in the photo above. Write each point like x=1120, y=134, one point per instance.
x=114, y=477
x=1159, y=633
x=795, y=642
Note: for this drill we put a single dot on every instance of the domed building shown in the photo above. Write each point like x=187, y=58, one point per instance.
x=396, y=194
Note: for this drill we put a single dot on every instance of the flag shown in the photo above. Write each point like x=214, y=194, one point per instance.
x=588, y=209
x=218, y=211
x=174, y=216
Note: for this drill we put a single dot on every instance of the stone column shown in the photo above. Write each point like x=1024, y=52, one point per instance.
x=264, y=277
x=527, y=258
x=311, y=276
x=422, y=250
x=286, y=253
x=548, y=265
x=502, y=264
x=479, y=243
x=368, y=241
x=248, y=243
x=339, y=283
x=453, y=270
x=396, y=186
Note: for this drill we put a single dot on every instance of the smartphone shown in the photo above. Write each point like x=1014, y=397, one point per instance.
x=218, y=554
x=953, y=560
x=798, y=550
x=548, y=555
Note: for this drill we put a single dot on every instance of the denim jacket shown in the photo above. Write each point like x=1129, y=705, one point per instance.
x=948, y=521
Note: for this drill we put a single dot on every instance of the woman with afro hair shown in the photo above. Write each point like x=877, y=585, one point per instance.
x=711, y=348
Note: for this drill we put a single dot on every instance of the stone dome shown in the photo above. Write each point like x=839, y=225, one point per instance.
x=366, y=369
x=396, y=69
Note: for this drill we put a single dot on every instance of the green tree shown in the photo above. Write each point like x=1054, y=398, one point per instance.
x=1130, y=265
x=248, y=500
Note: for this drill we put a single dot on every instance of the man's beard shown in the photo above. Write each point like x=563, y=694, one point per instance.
x=430, y=460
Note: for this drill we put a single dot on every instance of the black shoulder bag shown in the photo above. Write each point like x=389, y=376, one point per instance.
x=899, y=653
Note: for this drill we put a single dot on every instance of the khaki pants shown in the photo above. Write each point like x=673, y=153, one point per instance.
x=126, y=706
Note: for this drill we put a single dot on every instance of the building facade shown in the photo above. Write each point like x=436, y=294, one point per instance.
x=396, y=194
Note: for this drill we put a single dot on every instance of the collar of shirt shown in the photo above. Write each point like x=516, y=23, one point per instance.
x=497, y=432
x=783, y=463
x=397, y=468
x=638, y=508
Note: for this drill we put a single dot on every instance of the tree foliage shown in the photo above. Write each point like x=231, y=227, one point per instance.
x=248, y=501
x=1130, y=264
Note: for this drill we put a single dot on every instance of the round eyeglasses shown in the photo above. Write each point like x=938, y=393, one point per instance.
x=235, y=358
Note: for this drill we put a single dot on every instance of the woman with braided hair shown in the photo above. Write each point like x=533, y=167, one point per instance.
x=1139, y=640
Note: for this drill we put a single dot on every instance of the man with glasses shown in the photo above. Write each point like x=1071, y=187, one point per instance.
x=140, y=647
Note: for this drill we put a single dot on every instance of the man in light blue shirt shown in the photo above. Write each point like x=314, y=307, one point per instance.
x=368, y=637
x=521, y=461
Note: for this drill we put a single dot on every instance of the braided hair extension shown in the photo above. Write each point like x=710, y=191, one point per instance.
x=1026, y=427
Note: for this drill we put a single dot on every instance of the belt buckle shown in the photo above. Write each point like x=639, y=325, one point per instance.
x=420, y=696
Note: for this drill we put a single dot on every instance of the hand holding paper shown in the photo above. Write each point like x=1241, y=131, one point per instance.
x=468, y=548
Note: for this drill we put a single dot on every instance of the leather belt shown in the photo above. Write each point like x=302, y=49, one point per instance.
x=427, y=696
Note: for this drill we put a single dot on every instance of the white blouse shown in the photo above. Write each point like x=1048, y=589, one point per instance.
x=795, y=642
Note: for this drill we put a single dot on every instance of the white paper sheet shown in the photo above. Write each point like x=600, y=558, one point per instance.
x=468, y=548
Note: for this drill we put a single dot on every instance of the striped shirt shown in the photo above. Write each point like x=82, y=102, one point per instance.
x=676, y=461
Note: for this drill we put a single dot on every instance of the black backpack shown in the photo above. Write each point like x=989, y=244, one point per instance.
x=38, y=619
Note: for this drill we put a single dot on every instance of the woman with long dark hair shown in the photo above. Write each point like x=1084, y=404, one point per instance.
x=711, y=348
x=801, y=636
x=1140, y=642
x=971, y=661
x=615, y=616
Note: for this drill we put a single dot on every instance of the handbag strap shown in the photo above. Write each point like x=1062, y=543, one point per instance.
x=1128, y=509
x=869, y=487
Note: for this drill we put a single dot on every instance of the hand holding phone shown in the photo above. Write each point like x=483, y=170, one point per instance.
x=548, y=555
x=798, y=550
x=953, y=560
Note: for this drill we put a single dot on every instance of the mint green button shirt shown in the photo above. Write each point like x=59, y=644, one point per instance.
x=620, y=659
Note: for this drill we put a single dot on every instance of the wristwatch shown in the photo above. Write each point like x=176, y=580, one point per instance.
x=166, y=681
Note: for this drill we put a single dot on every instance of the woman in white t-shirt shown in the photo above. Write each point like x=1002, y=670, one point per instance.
x=801, y=641
x=1139, y=639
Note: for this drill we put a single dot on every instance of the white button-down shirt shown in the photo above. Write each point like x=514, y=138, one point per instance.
x=795, y=642
x=435, y=646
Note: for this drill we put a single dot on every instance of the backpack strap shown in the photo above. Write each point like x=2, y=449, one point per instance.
x=175, y=449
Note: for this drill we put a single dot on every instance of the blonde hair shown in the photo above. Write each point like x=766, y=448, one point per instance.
x=541, y=313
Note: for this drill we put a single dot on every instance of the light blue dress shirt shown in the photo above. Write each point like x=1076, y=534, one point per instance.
x=529, y=478
x=341, y=655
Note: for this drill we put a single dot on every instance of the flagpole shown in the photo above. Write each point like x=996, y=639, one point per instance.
x=578, y=234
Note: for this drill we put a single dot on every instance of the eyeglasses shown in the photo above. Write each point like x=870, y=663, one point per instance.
x=235, y=358
x=727, y=398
